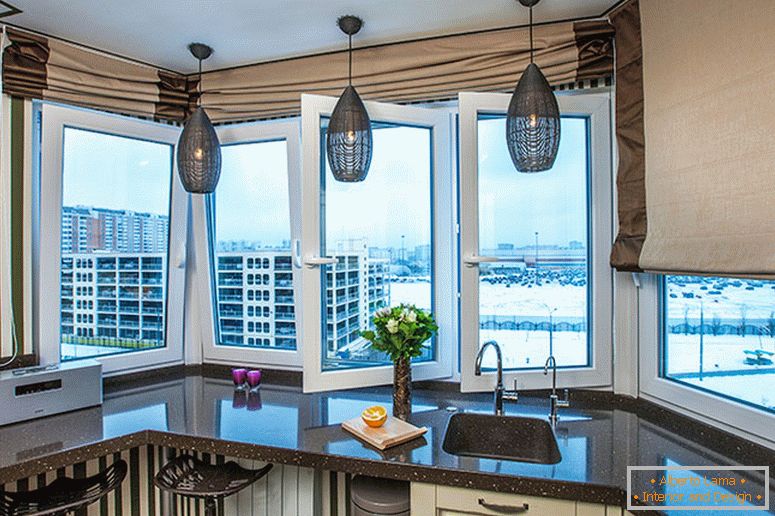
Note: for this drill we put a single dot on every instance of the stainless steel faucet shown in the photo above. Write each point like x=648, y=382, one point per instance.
x=500, y=393
x=554, y=401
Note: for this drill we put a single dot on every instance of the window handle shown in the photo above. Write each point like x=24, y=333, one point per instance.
x=296, y=253
x=180, y=260
x=317, y=261
x=473, y=259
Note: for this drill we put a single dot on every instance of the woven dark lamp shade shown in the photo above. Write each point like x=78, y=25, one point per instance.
x=199, y=151
x=199, y=154
x=533, y=123
x=349, y=138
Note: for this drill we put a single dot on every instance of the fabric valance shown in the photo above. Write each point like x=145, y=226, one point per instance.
x=416, y=71
x=49, y=69
x=570, y=54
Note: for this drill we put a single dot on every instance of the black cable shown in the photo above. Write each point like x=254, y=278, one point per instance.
x=350, y=59
x=531, y=34
x=199, y=86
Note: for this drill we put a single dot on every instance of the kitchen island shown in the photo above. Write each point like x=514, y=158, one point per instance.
x=597, y=438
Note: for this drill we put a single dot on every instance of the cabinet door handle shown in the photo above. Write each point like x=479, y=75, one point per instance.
x=504, y=509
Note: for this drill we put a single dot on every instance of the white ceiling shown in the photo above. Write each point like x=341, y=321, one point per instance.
x=248, y=31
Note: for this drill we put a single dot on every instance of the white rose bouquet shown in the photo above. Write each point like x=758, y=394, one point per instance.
x=401, y=331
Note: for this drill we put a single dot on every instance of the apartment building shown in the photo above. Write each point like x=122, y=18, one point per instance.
x=255, y=297
x=113, y=299
x=86, y=229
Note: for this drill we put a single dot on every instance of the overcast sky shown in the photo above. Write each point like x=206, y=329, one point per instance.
x=107, y=171
x=513, y=206
x=252, y=196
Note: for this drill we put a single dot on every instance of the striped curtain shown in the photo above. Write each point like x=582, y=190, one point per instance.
x=45, y=68
x=570, y=54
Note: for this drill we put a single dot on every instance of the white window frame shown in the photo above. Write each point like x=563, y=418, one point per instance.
x=727, y=414
x=6, y=334
x=47, y=245
x=599, y=373
x=214, y=352
x=313, y=107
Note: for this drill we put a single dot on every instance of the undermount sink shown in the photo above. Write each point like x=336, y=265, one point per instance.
x=501, y=437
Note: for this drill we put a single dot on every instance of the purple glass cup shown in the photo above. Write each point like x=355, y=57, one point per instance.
x=254, y=379
x=254, y=400
x=239, y=377
x=239, y=400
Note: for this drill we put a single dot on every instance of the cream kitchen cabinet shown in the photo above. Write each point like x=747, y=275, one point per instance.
x=433, y=500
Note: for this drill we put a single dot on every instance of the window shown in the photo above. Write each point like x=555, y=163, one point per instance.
x=719, y=336
x=706, y=348
x=534, y=301
x=252, y=226
x=110, y=220
x=376, y=243
x=379, y=260
x=534, y=247
x=256, y=176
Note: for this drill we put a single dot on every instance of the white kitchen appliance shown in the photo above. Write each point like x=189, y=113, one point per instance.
x=33, y=392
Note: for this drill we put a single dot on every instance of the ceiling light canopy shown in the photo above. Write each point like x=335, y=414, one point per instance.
x=199, y=151
x=349, y=138
x=533, y=118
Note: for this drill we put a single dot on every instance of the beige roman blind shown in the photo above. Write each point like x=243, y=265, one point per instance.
x=45, y=68
x=571, y=54
x=709, y=156
x=425, y=70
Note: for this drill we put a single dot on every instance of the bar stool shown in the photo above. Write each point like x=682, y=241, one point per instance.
x=189, y=477
x=64, y=495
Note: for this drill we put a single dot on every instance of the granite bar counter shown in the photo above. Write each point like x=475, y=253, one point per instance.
x=282, y=425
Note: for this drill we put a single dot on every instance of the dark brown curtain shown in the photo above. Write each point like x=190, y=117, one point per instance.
x=630, y=178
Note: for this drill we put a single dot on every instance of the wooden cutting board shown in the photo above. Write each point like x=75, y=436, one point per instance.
x=392, y=433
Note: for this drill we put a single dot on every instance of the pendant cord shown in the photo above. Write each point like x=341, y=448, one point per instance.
x=531, y=34
x=350, y=60
x=199, y=86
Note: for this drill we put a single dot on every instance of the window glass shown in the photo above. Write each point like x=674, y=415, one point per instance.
x=114, y=242
x=379, y=230
x=253, y=248
x=719, y=336
x=534, y=301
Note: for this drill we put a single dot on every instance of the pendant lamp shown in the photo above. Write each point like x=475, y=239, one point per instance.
x=349, y=139
x=533, y=119
x=199, y=151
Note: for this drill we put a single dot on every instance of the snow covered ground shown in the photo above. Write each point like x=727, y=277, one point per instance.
x=727, y=301
x=520, y=348
x=759, y=389
x=502, y=300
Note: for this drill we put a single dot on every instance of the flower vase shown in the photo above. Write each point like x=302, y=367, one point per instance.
x=402, y=388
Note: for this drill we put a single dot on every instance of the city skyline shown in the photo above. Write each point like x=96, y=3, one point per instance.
x=90, y=228
x=253, y=245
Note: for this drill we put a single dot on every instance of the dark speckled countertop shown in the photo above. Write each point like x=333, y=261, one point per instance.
x=283, y=425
